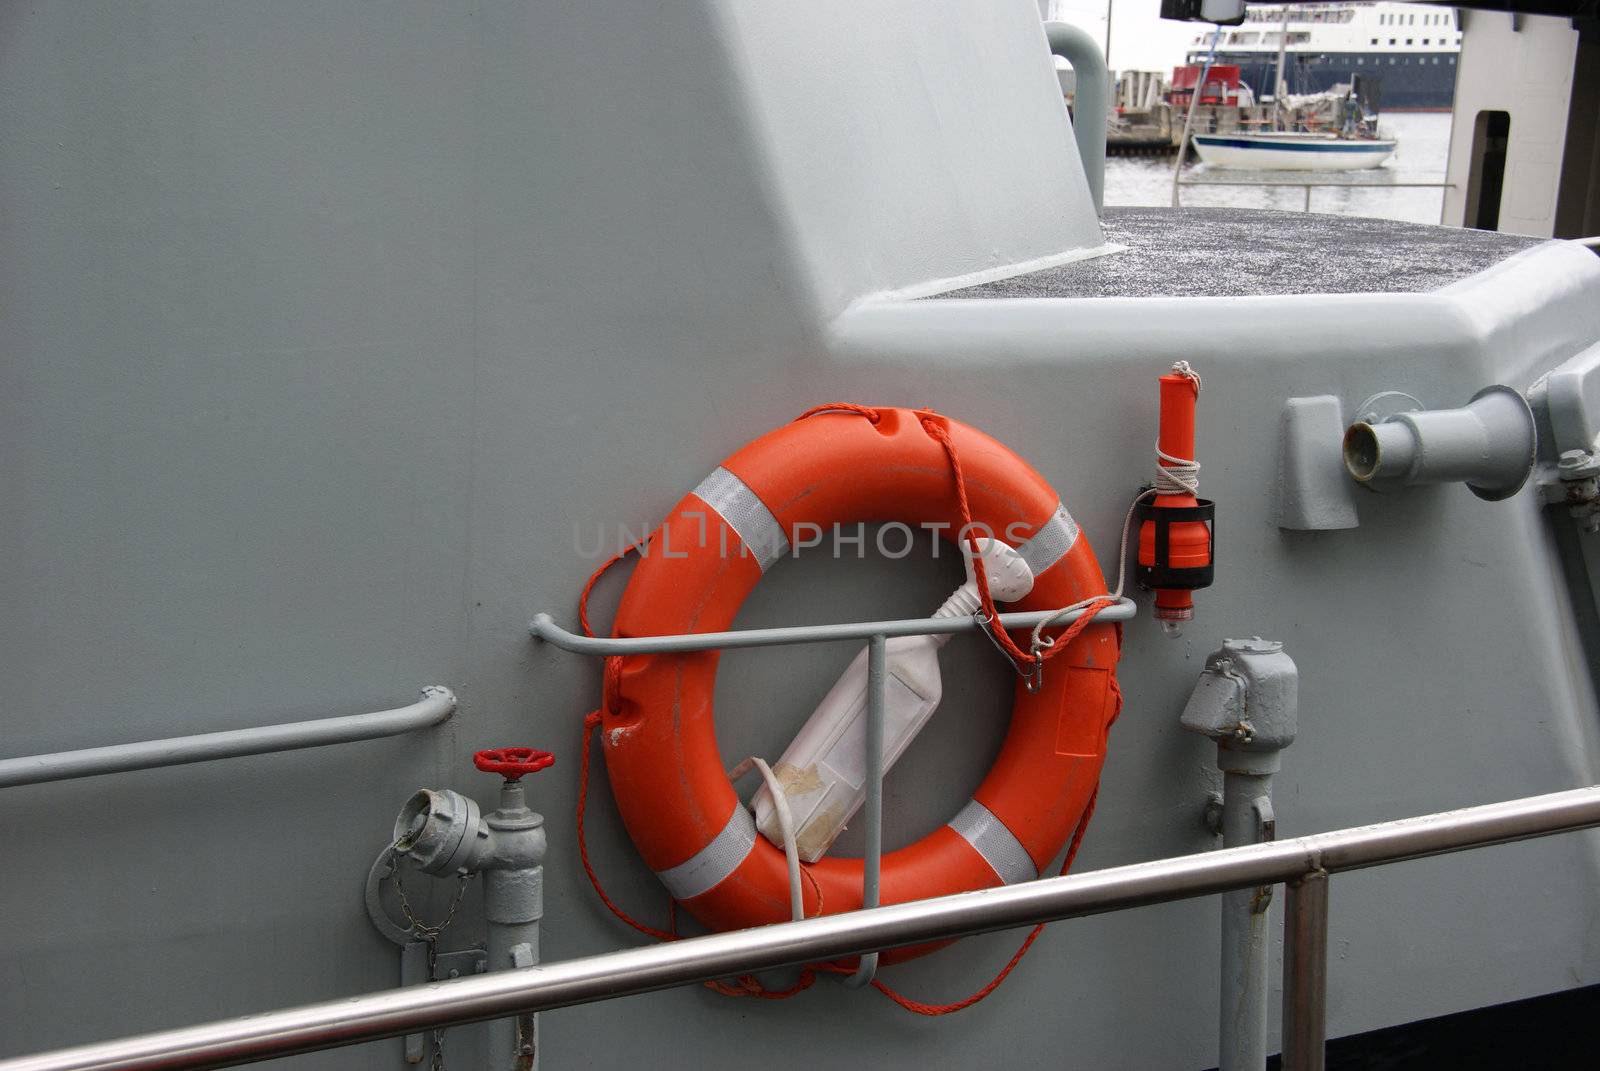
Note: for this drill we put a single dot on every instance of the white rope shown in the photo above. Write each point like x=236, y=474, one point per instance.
x=1184, y=368
x=1177, y=476
x=797, y=903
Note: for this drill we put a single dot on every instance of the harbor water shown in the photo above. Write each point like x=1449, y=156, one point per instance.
x=1421, y=157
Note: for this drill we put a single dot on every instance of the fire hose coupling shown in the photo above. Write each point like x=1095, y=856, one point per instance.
x=444, y=832
x=438, y=829
x=1489, y=445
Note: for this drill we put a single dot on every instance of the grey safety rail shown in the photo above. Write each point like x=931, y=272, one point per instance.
x=545, y=628
x=877, y=635
x=1308, y=186
x=1304, y=864
x=435, y=706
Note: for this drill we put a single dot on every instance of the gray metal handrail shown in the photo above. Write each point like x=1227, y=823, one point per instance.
x=544, y=627
x=1311, y=185
x=1304, y=863
x=435, y=706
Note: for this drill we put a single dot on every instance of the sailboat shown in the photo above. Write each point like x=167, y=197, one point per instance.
x=1350, y=143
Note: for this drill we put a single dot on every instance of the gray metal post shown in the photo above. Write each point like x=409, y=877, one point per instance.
x=1188, y=119
x=1305, y=973
x=1246, y=819
x=1091, y=105
x=513, y=904
x=871, y=864
x=1108, y=33
x=1245, y=700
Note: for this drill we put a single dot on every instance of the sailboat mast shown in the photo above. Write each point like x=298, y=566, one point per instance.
x=1277, y=77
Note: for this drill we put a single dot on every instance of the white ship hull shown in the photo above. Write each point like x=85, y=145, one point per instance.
x=1278, y=152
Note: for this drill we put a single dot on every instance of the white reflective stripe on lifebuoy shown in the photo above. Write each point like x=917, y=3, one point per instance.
x=713, y=864
x=747, y=515
x=1051, y=542
x=991, y=839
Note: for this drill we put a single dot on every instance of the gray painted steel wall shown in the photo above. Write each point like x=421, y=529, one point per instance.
x=324, y=327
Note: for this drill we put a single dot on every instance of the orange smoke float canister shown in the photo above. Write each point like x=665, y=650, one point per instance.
x=1177, y=531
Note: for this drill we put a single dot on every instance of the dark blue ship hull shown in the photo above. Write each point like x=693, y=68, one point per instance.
x=1402, y=81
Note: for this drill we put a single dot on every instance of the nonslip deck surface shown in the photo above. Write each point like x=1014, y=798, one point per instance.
x=1233, y=252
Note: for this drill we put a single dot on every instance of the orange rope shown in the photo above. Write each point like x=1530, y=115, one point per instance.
x=747, y=985
x=842, y=407
x=594, y=578
x=933, y=424
x=590, y=723
x=1022, y=950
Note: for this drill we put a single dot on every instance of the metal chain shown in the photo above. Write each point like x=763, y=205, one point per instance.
x=436, y=1059
x=422, y=929
x=429, y=934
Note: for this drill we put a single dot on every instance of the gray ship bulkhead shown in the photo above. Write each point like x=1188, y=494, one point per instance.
x=340, y=339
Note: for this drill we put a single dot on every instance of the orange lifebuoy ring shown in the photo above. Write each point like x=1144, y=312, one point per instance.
x=659, y=736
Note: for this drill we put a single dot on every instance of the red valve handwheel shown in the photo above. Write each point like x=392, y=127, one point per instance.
x=512, y=762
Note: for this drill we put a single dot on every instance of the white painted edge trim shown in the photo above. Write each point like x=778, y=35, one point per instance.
x=989, y=275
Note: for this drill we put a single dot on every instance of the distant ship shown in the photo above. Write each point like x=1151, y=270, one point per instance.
x=1403, y=54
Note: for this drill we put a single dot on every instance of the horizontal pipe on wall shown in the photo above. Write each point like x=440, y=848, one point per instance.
x=640, y=970
x=436, y=705
x=545, y=628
